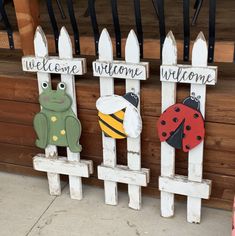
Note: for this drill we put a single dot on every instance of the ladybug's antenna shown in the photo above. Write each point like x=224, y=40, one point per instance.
x=193, y=94
x=198, y=97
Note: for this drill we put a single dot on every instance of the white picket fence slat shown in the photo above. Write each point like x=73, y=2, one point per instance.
x=51, y=162
x=109, y=145
x=41, y=50
x=193, y=186
x=109, y=171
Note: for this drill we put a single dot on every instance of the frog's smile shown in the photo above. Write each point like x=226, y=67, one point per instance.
x=57, y=101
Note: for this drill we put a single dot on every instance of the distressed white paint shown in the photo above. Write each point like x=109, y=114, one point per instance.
x=195, y=157
x=109, y=171
x=132, y=55
x=189, y=74
x=181, y=185
x=70, y=165
x=193, y=185
x=41, y=50
x=65, y=51
x=121, y=70
x=122, y=174
x=168, y=97
x=61, y=166
x=109, y=144
x=75, y=66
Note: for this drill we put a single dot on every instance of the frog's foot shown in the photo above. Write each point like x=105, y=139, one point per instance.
x=41, y=128
x=73, y=132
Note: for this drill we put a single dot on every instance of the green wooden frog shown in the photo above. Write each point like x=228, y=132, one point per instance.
x=56, y=123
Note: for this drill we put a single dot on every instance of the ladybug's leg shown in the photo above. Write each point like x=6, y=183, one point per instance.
x=175, y=140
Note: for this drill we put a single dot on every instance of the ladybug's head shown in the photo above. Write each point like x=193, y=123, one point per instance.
x=192, y=102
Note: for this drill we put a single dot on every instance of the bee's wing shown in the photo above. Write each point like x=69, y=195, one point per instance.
x=111, y=104
x=132, y=122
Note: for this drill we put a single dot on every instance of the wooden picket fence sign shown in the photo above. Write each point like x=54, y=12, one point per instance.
x=67, y=66
x=192, y=186
x=132, y=70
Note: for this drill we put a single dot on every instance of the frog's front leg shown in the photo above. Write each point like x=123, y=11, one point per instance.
x=73, y=132
x=41, y=127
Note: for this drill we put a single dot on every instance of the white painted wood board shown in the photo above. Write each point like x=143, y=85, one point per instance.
x=121, y=70
x=109, y=144
x=180, y=184
x=55, y=65
x=41, y=50
x=123, y=174
x=168, y=98
x=61, y=166
x=189, y=74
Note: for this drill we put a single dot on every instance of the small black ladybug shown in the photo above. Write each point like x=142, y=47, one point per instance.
x=182, y=125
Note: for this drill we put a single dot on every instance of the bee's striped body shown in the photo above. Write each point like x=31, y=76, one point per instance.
x=112, y=124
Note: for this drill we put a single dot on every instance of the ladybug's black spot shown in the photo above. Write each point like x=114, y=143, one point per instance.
x=163, y=122
x=183, y=136
x=177, y=109
x=195, y=115
x=199, y=137
x=164, y=134
x=187, y=147
x=188, y=127
x=175, y=119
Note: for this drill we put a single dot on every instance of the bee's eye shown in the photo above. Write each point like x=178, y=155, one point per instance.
x=45, y=85
x=61, y=86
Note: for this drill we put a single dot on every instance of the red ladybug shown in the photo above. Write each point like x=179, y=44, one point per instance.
x=182, y=125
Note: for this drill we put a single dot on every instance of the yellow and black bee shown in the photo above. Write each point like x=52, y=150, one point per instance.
x=118, y=116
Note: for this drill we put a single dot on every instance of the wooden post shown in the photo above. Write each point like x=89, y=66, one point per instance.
x=132, y=55
x=41, y=50
x=169, y=57
x=109, y=144
x=27, y=14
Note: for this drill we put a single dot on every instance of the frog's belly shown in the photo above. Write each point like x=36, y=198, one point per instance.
x=57, y=133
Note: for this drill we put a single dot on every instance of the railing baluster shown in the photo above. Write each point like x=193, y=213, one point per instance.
x=197, y=7
x=74, y=26
x=7, y=25
x=91, y=6
x=53, y=23
x=139, y=25
x=212, y=13
x=186, y=29
x=159, y=8
x=116, y=28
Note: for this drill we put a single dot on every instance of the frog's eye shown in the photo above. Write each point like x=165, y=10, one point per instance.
x=61, y=86
x=45, y=85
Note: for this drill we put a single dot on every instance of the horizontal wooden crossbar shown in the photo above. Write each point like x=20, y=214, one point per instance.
x=180, y=184
x=62, y=166
x=224, y=50
x=122, y=174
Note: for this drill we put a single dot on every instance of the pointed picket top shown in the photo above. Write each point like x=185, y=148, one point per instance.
x=64, y=44
x=199, y=53
x=40, y=43
x=105, y=46
x=132, y=49
x=169, y=50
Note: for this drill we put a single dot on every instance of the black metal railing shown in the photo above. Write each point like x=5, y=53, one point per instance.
x=160, y=16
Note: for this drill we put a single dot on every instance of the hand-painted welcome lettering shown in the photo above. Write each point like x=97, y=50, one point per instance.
x=53, y=65
x=120, y=70
x=188, y=74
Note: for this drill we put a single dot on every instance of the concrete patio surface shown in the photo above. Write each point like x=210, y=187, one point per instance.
x=26, y=208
